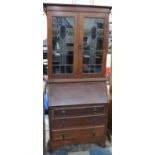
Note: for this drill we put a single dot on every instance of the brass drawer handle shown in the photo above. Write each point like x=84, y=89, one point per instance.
x=63, y=112
x=95, y=109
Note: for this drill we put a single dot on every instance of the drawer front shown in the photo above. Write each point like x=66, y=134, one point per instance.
x=77, y=111
x=78, y=133
x=59, y=143
x=78, y=121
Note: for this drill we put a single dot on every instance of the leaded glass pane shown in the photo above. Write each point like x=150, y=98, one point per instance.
x=63, y=44
x=93, y=45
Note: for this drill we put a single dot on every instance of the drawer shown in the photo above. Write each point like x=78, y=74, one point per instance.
x=61, y=123
x=76, y=133
x=59, y=143
x=77, y=111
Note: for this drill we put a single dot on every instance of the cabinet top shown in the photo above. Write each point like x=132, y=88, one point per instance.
x=55, y=6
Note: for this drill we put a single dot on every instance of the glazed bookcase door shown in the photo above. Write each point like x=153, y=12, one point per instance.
x=62, y=39
x=93, y=44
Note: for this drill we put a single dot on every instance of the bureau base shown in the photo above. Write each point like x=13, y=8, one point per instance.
x=77, y=116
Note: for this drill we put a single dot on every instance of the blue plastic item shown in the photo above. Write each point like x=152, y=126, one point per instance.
x=46, y=101
x=100, y=151
x=60, y=153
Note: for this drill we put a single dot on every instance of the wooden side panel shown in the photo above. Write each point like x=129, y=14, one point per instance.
x=49, y=38
x=105, y=50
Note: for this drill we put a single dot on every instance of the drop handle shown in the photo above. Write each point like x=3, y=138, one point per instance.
x=63, y=112
x=95, y=109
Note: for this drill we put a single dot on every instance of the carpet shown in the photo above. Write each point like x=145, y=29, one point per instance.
x=93, y=151
x=79, y=153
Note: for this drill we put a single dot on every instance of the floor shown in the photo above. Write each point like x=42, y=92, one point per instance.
x=81, y=149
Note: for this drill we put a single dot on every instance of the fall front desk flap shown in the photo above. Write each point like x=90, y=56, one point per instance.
x=77, y=93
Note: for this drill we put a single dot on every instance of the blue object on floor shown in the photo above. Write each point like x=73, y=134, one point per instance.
x=94, y=151
x=100, y=151
x=60, y=153
x=46, y=100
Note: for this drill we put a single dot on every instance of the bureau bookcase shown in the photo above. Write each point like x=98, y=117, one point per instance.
x=77, y=49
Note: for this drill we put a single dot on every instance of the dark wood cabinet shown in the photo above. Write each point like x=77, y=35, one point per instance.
x=77, y=49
